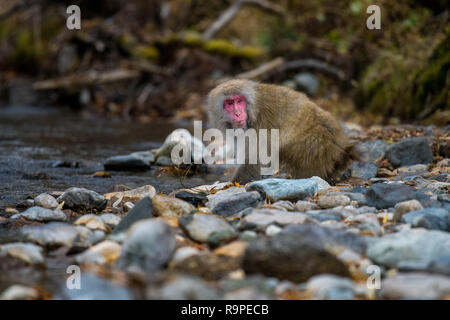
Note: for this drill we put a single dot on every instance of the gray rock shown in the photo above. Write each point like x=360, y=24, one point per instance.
x=164, y=161
x=93, y=287
x=53, y=234
x=80, y=199
x=364, y=170
x=358, y=197
x=283, y=205
x=321, y=184
x=331, y=201
x=207, y=228
x=19, y=292
x=170, y=207
x=429, y=218
x=27, y=252
x=222, y=195
x=440, y=265
x=303, y=206
x=406, y=206
x=195, y=199
x=331, y=287
x=248, y=235
x=261, y=218
x=253, y=287
x=415, y=286
x=307, y=82
x=272, y=230
x=290, y=256
x=149, y=245
x=386, y=195
x=415, y=245
x=328, y=237
x=142, y=210
x=110, y=219
x=46, y=201
x=324, y=215
x=284, y=189
x=374, y=149
x=137, y=161
x=41, y=214
x=184, y=288
x=184, y=253
x=410, y=151
x=236, y=202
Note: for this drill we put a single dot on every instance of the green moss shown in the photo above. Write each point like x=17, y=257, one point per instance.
x=229, y=49
x=409, y=84
x=145, y=52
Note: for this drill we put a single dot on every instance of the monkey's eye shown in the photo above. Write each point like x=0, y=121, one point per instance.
x=239, y=100
x=230, y=103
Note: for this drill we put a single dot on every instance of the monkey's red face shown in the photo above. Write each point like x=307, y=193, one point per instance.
x=235, y=107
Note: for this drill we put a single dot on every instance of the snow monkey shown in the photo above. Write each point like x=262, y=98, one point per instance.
x=311, y=141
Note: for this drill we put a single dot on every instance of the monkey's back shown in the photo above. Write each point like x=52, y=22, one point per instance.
x=311, y=140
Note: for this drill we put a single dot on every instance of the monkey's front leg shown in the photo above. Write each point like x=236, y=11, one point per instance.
x=246, y=173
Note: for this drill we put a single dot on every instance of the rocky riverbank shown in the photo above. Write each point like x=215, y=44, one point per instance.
x=383, y=232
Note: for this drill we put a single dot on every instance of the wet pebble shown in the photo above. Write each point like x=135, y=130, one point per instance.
x=409, y=152
x=208, y=229
x=91, y=221
x=364, y=170
x=428, y=218
x=236, y=202
x=196, y=199
x=290, y=256
x=261, y=218
x=137, y=161
x=109, y=219
x=331, y=201
x=104, y=252
x=416, y=245
x=406, y=206
x=415, y=286
x=331, y=287
x=80, y=199
x=142, y=210
x=19, y=292
x=184, y=288
x=303, y=206
x=41, y=214
x=285, y=189
x=46, y=201
x=386, y=195
x=28, y=252
x=170, y=207
x=52, y=234
x=149, y=245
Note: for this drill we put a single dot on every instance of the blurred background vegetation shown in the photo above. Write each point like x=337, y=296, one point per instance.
x=156, y=59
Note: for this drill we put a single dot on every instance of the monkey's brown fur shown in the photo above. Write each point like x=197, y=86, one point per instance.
x=312, y=143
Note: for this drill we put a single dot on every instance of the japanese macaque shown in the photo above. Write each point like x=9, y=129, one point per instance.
x=311, y=141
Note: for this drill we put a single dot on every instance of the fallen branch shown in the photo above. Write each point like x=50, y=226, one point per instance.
x=86, y=79
x=279, y=65
x=262, y=69
x=316, y=65
x=229, y=14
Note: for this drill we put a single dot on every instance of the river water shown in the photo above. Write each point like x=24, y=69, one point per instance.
x=33, y=139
